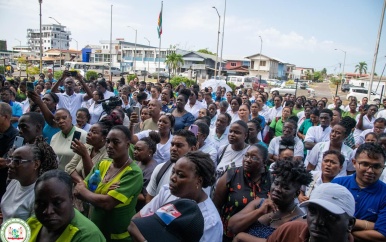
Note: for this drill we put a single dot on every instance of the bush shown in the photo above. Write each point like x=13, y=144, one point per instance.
x=175, y=81
x=2, y=69
x=90, y=74
x=33, y=70
x=131, y=77
x=232, y=85
x=58, y=75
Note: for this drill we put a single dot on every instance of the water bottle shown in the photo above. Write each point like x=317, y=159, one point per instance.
x=94, y=181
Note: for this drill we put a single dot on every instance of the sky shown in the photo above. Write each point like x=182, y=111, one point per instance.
x=301, y=32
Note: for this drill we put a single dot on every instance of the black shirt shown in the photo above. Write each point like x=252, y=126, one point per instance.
x=6, y=143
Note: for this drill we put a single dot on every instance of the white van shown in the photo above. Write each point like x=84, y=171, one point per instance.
x=246, y=81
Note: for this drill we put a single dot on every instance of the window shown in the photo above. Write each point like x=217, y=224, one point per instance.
x=263, y=63
x=233, y=63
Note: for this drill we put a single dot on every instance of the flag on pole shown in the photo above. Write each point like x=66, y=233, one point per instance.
x=159, y=28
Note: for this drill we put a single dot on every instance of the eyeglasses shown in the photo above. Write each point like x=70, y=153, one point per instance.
x=253, y=158
x=16, y=161
x=284, y=147
x=366, y=166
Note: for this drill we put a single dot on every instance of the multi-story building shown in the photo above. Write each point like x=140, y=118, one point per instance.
x=54, y=36
x=264, y=66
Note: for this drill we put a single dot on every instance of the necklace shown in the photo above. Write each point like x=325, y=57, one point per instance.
x=105, y=180
x=280, y=218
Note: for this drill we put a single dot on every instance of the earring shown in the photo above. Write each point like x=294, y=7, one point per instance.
x=197, y=187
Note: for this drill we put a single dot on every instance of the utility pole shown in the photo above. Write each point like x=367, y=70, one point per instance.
x=41, y=42
x=145, y=55
x=222, y=38
x=218, y=39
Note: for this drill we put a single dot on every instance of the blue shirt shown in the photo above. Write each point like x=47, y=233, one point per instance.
x=184, y=121
x=49, y=131
x=370, y=202
x=17, y=111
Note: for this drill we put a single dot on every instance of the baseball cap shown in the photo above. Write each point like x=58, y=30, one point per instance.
x=332, y=197
x=178, y=220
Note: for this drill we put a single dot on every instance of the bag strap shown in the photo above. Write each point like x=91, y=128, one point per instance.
x=162, y=171
x=222, y=154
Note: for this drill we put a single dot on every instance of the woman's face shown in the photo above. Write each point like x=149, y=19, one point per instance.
x=117, y=144
x=53, y=204
x=331, y=166
x=212, y=110
x=277, y=102
x=47, y=85
x=192, y=97
x=229, y=96
x=371, y=139
x=235, y=105
x=200, y=97
x=286, y=112
x=372, y=110
x=63, y=119
x=353, y=107
x=18, y=169
x=336, y=117
x=164, y=123
x=81, y=118
x=283, y=192
x=47, y=99
x=307, y=112
x=255, y=109
x=95, y=96
x=184, y=179
x=202, y=113
x=145, y=114
x=237, y=134
x=243, y=112
x=253, y=161
x=288, y=129
x=286, y=154
x=260, y=101
x=135, y=96
x=307, y=105
x=95, y=136
x=181, y=102
x=142, y=151
x=38, y=89
x=314, y=118
x=252, y=131
x=221, y=122
x=337, y=133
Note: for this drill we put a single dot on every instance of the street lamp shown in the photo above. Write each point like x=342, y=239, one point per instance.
x=344, y=63
x=145, y=55
x=41, y=42
x=222, y=38
x=261, y=48
x=76, y=43
x=218, y=39
x=135, y=48
x=60, y=40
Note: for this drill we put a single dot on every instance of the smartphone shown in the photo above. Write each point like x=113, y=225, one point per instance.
x=136, y=110
x=30, y=86
x=18, y=142
x=76, y=136
x=194, y=129
x=73, y=73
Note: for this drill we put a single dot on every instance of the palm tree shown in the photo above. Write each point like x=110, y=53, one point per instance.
x=174, y=61
x=361, y=67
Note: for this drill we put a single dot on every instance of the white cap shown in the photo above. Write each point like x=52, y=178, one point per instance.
x=332, y=197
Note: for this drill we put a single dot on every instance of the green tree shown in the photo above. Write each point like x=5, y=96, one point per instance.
x=175, y=81
x=335, y=81
x=361, y=67
x=317, y=76
x=58, y=74
x=308, y=75
x=206, y=51
x=90, y=74
x=33, y=70
x=174, y=61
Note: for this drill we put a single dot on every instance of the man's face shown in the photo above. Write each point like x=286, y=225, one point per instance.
x=338, y=103
x=141, y=87
x=364, y=101
x=154, y=109
x=324, y=119
x=28, y=129
x=69, y=85
x=165, y=95
x=323, y=224
x=179, y=147
x=6, y=96
x=368, y=170
x=148, y=86
x=335, y=100
x=210, y=89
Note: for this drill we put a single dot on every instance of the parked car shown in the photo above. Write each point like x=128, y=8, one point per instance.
x=259, y=84
x=115, y=71
x=303, y=85
x=162, y=74
x=361, y=92
x=245, y=81
x=346, y=87
x=290, y=89
x=22, y=67
x=272, y=82
x=186, y=74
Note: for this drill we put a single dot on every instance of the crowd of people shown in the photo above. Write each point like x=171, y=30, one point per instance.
x=94, y=160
